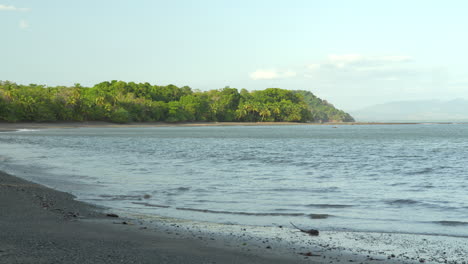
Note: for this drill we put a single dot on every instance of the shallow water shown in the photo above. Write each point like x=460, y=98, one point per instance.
x=391, y=178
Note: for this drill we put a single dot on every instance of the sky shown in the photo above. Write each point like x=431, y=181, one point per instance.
x=353, y=53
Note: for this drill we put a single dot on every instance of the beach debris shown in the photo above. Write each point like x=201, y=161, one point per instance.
x=309, y=254
x=312, y=232
x=112, y=215
x=123, y=223
x=72, y=214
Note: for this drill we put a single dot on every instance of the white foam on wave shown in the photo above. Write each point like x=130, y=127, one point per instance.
x=26, y=130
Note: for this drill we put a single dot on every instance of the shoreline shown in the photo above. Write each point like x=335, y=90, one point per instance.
x=59, y=228
x=7, y=127
x=41, y=225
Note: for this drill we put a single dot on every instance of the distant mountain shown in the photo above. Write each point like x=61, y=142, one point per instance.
x=417, y=111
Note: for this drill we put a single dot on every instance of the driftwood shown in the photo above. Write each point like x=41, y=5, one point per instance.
x=312, y=232
x=112, y=215
x=309, y=254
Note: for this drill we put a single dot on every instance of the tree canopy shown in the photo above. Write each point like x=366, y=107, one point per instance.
x=123, y=102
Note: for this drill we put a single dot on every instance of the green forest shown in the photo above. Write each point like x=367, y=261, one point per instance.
x=123, y=102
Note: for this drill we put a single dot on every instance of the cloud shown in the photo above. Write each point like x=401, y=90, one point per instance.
x=364, y=71
x=340, y=61
x=385, y=68
x=12, y=8
x=271, y=74
x=23, y=24
x=313, y=67
x=363, y=63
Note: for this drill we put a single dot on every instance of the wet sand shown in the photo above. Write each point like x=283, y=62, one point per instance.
x=40, y=225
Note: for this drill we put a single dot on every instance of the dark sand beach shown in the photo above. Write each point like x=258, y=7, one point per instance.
x=41, y=225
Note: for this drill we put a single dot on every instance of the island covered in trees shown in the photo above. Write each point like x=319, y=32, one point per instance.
x=122, y=102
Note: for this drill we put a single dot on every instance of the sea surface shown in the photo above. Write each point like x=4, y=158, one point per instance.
x=383, y=178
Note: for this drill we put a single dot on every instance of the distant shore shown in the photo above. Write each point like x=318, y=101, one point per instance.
x=30, y=125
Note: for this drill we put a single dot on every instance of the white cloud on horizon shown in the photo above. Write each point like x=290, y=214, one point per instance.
x=23, y=24
x=383, y=67
x=12, y=8
x=270, y=74
x=313, y=67
x=363, y=63
x=361, y=67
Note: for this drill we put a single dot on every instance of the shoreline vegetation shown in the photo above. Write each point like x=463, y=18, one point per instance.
x=122, y=102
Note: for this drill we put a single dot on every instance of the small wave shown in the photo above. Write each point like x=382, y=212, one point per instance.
x=427, y=186
x=451, y=223
x=327, y=190
x=423, y=171
x=152, y=205
x=121, y=197
x=402, y=156
x=320, y=216
x=203, y=201
x=289, y=190
x=398, y=184
x=238, y=213
x=25, y=130
x=329, y=205
x=439, y=205
x=282, y=210
x=402, y=202
x=317, y=190
x=305, y=164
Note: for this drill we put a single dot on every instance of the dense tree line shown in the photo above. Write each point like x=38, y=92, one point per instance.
x=122, y=102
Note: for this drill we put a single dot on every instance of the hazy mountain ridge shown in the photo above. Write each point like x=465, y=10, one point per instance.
x=421, y=110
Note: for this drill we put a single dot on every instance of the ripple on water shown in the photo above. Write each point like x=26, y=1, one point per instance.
x=320, y=216
x=329, y=205
x=451, y=223
x=401, y=202
x=300, y=171
x=151, y=205
x=238, y=213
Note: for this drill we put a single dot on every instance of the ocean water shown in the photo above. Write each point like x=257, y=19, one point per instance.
x=383, y=178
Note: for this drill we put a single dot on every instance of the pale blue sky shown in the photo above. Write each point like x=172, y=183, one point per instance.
x=352, y=53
